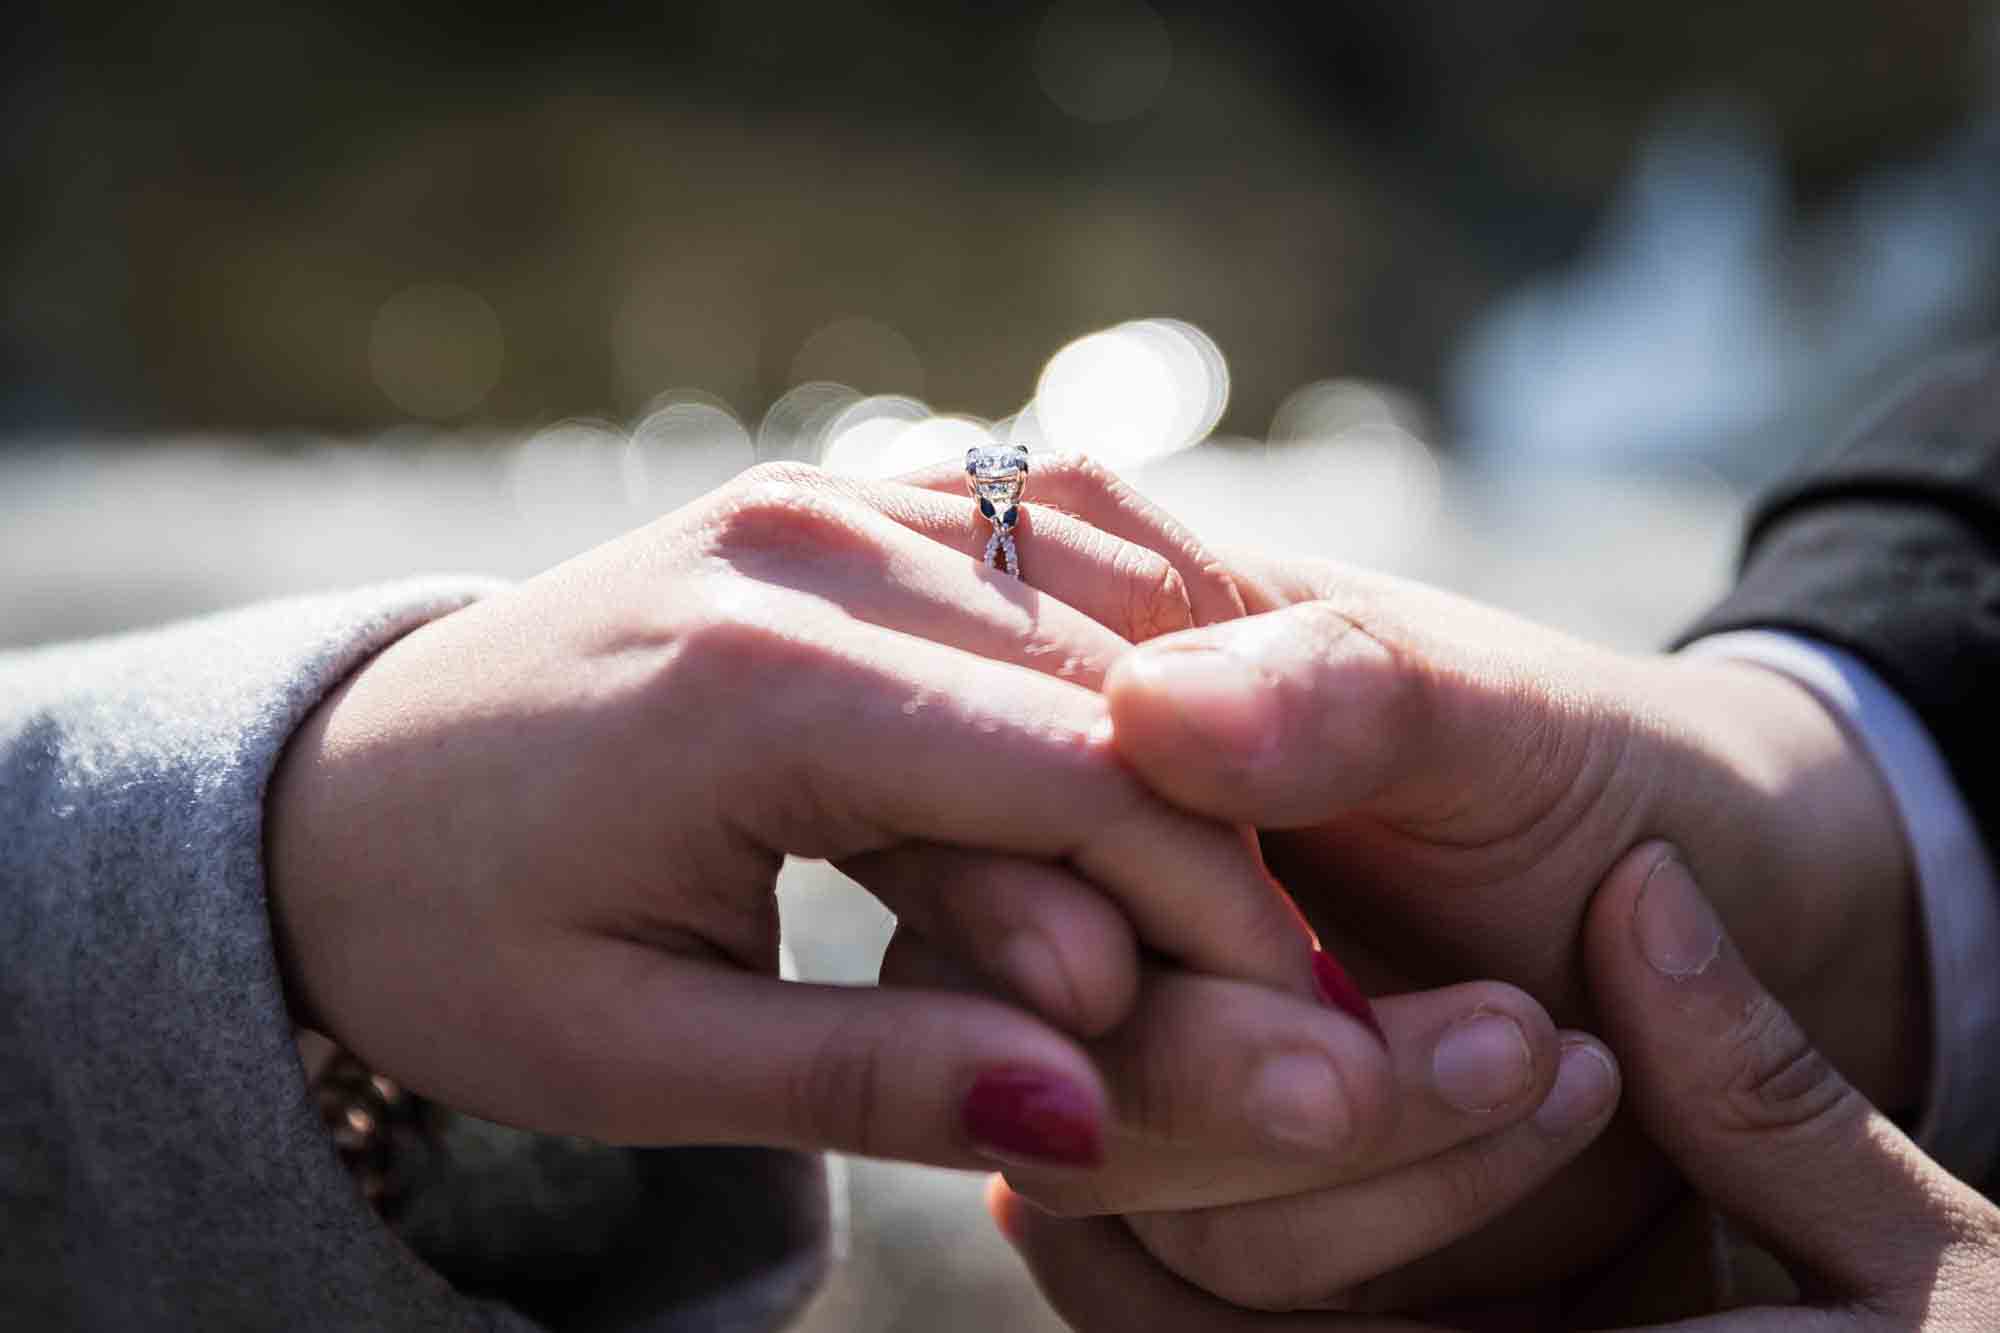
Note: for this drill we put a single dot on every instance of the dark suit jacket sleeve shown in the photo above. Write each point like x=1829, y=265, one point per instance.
x=1890, y=548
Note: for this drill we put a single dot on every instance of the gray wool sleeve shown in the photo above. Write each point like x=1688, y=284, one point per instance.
x=161, y=1164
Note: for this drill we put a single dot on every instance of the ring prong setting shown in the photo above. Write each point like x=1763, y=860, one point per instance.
x=997, y=474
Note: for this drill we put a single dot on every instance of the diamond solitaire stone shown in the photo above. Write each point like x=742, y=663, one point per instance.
x=997, y=472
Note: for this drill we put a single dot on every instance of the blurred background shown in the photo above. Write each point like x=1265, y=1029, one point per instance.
x=1523, y=297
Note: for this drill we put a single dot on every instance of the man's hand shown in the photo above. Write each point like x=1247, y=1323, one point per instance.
x=1441, y=786
x=523, y=860
x=1445, y=784
x=1881, y=1238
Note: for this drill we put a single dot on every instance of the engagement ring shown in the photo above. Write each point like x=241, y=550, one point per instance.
x=997, y=474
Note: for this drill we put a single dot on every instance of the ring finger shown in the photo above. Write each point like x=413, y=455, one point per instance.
x=1133, y=590
x=1072, y=484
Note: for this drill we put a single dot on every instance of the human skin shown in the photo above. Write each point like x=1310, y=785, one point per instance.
x=522, y=861
x=1747, y=1108
x=582, y=963
x=1441, y=786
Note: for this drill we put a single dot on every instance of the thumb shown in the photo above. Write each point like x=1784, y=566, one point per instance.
x=1285, y=718
x=1731, y=1087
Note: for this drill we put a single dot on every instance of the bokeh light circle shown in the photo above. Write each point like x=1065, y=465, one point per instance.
x=1356, y=455
x=1103, y=61
x=435, y=350
x=796, y=426
x=687, y=444
x=570, y=474
x=1329, y=409
x=864, y=440
x=862, y=352
x=1134, y=393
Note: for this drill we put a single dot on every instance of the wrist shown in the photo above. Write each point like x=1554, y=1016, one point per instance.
x=313, y=860
x=1783, y=814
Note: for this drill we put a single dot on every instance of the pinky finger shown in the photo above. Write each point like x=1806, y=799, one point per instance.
x=1099, y=1280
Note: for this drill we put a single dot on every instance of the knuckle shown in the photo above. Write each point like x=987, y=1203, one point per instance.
x=1333, y=633
x=1081, y=470
x=1371, y=676
x=834, y=1098
x=1156, y=598
x=779, y=473
x=781, y=513
x=722, y=648
x=1216, y=583
x=1096, y=959
x=1776, y=1079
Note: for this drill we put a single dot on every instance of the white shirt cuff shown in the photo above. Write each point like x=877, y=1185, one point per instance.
x=1956, y=887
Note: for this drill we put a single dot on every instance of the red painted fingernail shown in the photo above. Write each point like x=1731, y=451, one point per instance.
x=1338, y=990
x=1026, y=1115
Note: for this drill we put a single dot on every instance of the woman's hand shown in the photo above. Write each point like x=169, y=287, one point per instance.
x=1878, y=1235
x=523, y=860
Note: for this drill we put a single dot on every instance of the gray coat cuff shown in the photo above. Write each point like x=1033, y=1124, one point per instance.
x=161, y=1166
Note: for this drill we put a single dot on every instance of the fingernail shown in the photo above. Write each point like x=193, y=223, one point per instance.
x=1338, y=991
x=1027, y=1115
x=1678, y=931
x=1482, y=1063
x=1585, y=1084
x=1219, y=696
x=1294, y=1099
